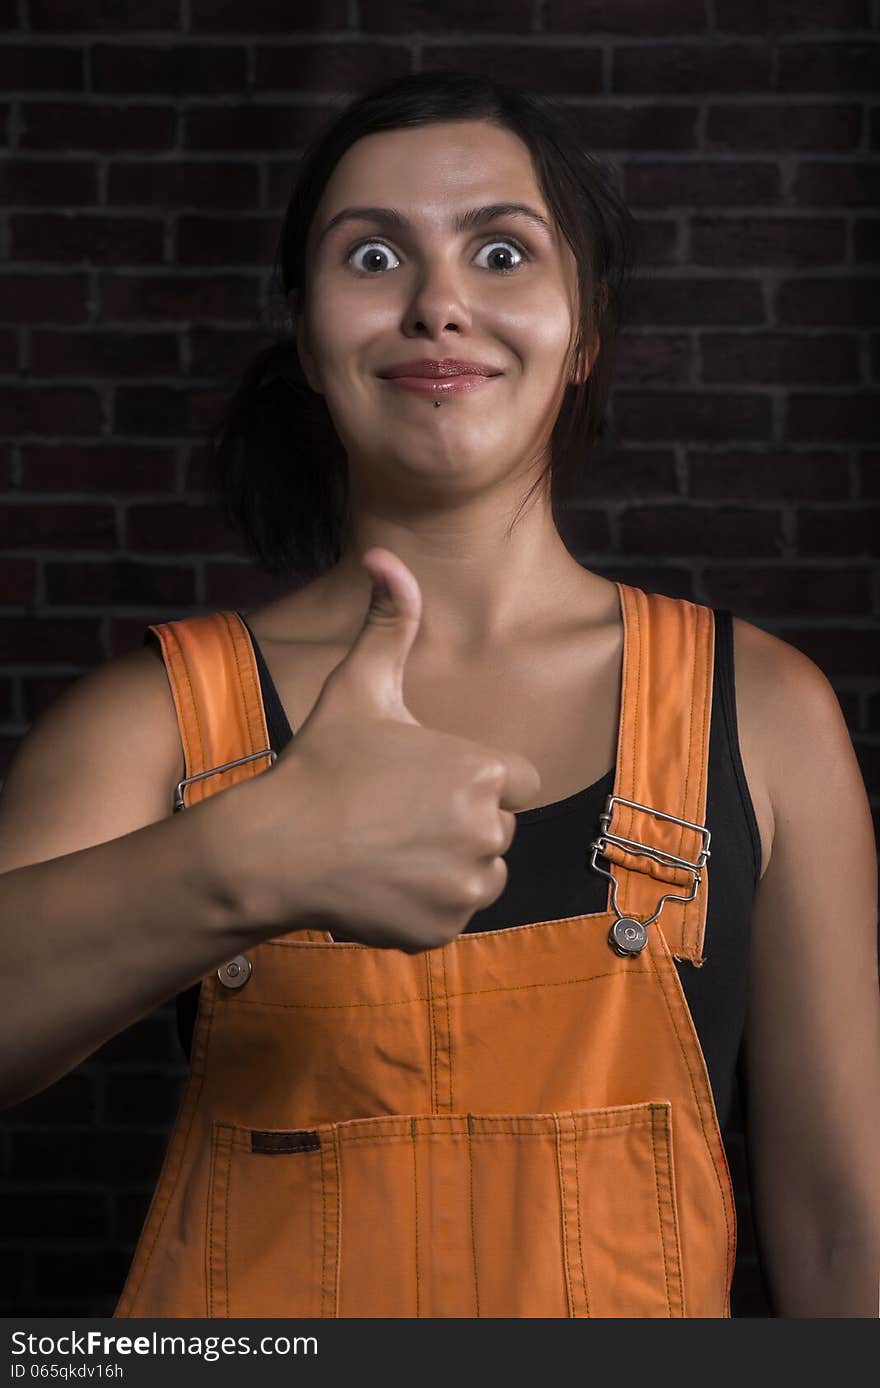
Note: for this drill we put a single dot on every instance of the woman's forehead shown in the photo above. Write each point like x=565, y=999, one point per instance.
x=433, y=172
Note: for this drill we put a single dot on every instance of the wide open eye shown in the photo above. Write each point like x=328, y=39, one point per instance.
x=504, y=241
x=376, y=248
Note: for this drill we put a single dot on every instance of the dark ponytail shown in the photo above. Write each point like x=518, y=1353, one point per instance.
x=276, y=463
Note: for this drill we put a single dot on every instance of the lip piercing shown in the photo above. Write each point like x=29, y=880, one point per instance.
x=437, y=404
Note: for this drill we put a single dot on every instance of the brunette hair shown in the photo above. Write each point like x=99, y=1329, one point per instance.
x=276, y=464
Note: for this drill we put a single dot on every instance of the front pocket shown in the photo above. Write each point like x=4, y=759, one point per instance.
x=448, y=1215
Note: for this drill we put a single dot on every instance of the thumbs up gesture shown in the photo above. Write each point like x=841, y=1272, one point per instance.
x=372, y=826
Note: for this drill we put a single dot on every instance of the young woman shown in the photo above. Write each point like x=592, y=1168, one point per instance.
x=490, y=873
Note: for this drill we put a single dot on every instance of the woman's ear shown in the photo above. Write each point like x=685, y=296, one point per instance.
x=306, y=360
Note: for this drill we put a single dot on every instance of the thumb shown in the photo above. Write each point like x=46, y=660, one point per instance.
x=374, y=667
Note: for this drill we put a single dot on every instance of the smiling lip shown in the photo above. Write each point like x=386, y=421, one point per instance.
x=448, y=376
x=424, y=368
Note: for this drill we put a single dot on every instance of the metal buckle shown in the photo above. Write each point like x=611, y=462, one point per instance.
x=212, y=771
x=633, y=939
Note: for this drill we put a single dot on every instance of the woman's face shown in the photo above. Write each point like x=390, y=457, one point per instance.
x=502, y=291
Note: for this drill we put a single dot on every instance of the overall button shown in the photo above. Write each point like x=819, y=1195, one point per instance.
x=236, y=972
x=628, y=936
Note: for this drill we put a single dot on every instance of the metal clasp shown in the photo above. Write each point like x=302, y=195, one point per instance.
x=646, y=850
x=213, y=770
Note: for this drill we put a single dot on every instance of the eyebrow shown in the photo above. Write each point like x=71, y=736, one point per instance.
x=473, y=217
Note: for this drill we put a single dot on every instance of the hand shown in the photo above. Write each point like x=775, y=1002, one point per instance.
x=387, y=831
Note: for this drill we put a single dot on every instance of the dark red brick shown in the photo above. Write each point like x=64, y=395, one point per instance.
x=47, y=409
x=692, y=530
x=104, y=354
x=330, y=67
x=827, y=66
x=39, y=692
x=780, y=358
x=657, y=241
x=839, y=418
x=240, y=586
x=766, y=474
x=44, y=297
x=624, y=17
x=40, y=1214
x=85, y=236
x=264, y=16
x=245, y=127
x=399, y=16
x=48, y=182
x=33, y=67
x=866, y=239
x=692, y=67
x=88, y=469
x=790, y=16
x=777, y=592
x=837, y=650
x=869, y=473
x=847, y=531
x=247, y=241
x=754, y=241
x=762, y=126
x=650, y=359
x=616, y=126
x=695, y=301
x=60, y=640
x=18, y=579
x=180, y=528
x=841, y=184
x=222, y=354
x=95, y=125
x=843, y=300
x=570, y=70
x=150, y=297
x=692, y=184
x=185, y=183
x=694, y=415
x=177, y=69
x=56, y=525
x=100, y=15
x=585, y=530
x=121, y=582
x=635, y=472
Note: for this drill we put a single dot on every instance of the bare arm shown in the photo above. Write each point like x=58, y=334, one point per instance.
x=108, y=906
x=812, y=1043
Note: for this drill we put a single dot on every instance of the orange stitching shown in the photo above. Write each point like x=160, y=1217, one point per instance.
x=416, y=1206
x=473, y=1220
x=660, y=1216
x=666, y=1128
x=432, y=1031
x=195, y=707
x=699, y=1106
x=448, y=1028
x=577, y=1188
x=177, y=1145
x=246, y=703
x=560, y=1177
x=468, y=993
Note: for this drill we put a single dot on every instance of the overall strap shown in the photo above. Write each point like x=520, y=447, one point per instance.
x=662, y=766
x=214, y=679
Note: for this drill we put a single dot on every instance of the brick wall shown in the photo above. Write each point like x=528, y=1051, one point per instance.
x=149, y=157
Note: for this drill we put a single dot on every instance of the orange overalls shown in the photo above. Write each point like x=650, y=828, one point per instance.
x=517, y=1124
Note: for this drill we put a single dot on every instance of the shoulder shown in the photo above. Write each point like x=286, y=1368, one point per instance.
x=791, y=726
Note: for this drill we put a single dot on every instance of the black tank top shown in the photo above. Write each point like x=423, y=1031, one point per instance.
x=549, y=876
